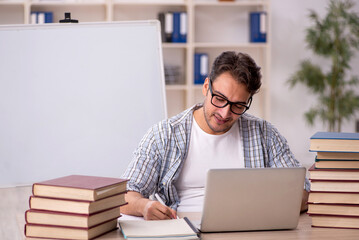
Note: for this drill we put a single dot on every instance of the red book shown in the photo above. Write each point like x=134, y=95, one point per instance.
x=333, y=174
x=33, y=216
x=80, y=187
x=57, y=232
x=76, y=206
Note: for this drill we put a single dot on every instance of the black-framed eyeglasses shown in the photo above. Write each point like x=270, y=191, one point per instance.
x=220, y=101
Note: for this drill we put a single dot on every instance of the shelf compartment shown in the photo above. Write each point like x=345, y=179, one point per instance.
x=84, y=13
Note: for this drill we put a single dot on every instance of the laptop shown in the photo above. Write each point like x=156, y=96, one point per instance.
x=250, y=199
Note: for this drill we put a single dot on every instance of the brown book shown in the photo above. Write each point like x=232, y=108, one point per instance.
x=76, y=206
x=334, y=221
x=333, y=209
x=57, y=232
x=70, y=219
x=337, y=164
x=334, y=185
x=334, y=142
x=338, y=155
x=334, y=197
x=79, y=187
x=333, y=174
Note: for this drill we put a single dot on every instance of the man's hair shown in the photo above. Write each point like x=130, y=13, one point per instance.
x=242, y=68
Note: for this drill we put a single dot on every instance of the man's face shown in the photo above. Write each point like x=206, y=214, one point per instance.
x=220, y=120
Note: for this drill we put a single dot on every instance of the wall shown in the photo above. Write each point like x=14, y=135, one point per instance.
x=289, y=21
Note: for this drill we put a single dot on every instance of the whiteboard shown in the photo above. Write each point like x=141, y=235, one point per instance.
x=77, y=98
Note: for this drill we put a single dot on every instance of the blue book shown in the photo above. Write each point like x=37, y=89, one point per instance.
x=258, y=27
x=200, y=67
x=334, y=142
x=179, y=34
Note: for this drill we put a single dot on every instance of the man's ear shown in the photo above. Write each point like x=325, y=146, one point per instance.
x=205, y=87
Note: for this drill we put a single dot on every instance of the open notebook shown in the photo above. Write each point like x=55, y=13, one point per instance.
x=159, y=229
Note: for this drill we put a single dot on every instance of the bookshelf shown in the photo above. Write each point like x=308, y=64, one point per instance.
x=213, y=27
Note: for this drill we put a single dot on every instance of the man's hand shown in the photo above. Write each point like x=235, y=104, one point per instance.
x=143, y=207
x=154, y=210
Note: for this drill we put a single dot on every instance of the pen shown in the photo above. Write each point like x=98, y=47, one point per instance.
x=161, y=201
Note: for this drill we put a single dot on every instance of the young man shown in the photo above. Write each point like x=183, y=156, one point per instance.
x=173, y=157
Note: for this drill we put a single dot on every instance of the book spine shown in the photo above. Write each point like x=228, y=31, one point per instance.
x=200, y=67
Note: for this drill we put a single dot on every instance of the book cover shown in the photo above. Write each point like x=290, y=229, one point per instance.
x=333, y=174
x=334, y=197
x=57, y=232
x=76, y=206
x=80, y=187
x=334, y=142
x=34, y=216
x=258, y=27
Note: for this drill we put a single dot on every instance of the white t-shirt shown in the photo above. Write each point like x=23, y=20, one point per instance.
x=205, y=152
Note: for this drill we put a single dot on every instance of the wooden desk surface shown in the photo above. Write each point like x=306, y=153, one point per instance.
x=14, y=203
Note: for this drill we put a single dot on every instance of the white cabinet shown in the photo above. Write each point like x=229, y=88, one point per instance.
x=213, y=27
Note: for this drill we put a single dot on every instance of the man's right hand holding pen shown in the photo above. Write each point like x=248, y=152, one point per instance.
x=149, y=209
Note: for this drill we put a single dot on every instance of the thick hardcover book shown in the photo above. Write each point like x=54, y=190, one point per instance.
x=200, y=67
x=333, y=174
x=57, y=232
x=334, y=142
x=334, y=221
x=337, y=156
x=334, y=185
x=336, y=164
x=76, y=206
x=80, y=187
x=333, y=209
x=258, y=27
x=70, y=219
x=334, y=197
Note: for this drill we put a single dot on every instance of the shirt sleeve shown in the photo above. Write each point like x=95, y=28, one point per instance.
x=143, y=171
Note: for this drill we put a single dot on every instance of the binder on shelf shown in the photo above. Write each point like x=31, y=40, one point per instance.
x=179, y=27
x=166, y=19
x=258, y=27
x=200, y=67
x=41, y=17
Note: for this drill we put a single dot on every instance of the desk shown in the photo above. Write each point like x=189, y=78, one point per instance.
x=14, y=202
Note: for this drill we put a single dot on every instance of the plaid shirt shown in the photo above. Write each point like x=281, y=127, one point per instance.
x=161, y=153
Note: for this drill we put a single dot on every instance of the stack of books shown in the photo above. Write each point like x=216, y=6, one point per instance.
x=74, y=207
x=334, y=196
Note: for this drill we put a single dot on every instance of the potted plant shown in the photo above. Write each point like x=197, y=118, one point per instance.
x=336, y=38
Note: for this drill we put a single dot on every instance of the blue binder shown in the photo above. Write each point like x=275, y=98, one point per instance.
x=200, y=67
x=179, y=27
x=258, y=28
